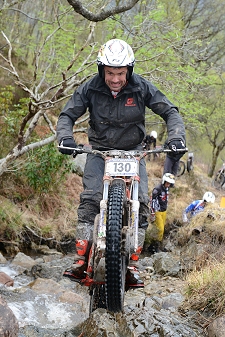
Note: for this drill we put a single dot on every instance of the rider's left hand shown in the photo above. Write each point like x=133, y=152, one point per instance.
x=174, y=145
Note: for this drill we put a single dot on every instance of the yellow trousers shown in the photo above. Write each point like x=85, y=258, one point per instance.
x=159, y=224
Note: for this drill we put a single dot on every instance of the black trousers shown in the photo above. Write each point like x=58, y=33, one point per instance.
x=171, y=165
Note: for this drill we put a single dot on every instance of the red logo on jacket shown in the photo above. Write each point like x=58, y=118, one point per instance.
x=130, y=102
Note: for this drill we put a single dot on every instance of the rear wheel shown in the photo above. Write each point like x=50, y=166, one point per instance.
x=116, y=264
x=219, y=180
x=181, y=168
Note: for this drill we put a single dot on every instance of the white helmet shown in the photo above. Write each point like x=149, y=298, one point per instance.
x=169, y=177
x=153, y=134
x=115, y=53
x=209, y=197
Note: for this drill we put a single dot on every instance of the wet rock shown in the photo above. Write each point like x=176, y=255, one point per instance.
x=6, y=280
x=24, y=261
x=51, y=301
x=32, y=331
x=47, y=271
x=71, y=297
x=8, y=323
x=217, y=327
x=45, y=286
x=52, y=269
x=102, y=323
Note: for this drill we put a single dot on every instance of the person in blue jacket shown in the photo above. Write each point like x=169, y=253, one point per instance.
x=197, y=206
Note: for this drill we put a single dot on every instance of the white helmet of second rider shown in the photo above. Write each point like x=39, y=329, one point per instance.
x=169, y=177
x=209, y=197
x=115, y=53
x=153, y=134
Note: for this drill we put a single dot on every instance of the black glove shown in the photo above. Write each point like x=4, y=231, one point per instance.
x=174, y=145
x=67, y=142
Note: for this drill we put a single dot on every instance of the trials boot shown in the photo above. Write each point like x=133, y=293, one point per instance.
x=78, y=269
x=133, y=276
x=154, y=247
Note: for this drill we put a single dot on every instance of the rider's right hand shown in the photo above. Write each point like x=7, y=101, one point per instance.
x=67, y=142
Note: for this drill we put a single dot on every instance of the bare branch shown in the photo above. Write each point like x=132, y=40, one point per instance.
x=12, y=69
x=17, y=152
x=104, y=14
x=92, y=29
x=49, y=123
x=38, y=55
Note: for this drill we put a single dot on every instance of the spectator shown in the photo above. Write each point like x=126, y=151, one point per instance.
x=197, y=206
x=159, y=202
x=150, y=142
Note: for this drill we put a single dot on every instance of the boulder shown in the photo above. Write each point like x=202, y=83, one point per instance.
x=9, y=326
x=166, y=264
x=24, y=261
x=217, y=327
x=6, y=279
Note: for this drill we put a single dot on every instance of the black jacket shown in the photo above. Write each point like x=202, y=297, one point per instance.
x=159, y=198
x=118, y=122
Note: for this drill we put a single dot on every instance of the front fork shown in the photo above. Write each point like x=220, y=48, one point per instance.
x=134, y=219
x=97, y=259
x=101, y=233
x=131, y=229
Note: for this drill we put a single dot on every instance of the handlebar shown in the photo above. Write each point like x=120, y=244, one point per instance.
x=114, y=152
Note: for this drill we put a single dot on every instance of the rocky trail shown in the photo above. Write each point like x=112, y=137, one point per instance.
x=37, y=301
x=46, y=304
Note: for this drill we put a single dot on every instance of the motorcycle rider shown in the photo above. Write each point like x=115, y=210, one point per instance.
x=116, y=99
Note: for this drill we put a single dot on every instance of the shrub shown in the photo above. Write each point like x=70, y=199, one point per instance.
x=45, y=168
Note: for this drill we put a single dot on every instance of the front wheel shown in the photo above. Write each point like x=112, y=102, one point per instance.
x=116, y=263
x=181, y=168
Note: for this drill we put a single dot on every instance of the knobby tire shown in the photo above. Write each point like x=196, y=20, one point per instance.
x=115, y=262
x=219, y=180
x=181, y=168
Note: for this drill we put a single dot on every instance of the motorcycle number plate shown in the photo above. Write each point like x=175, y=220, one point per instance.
x=121, y=167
